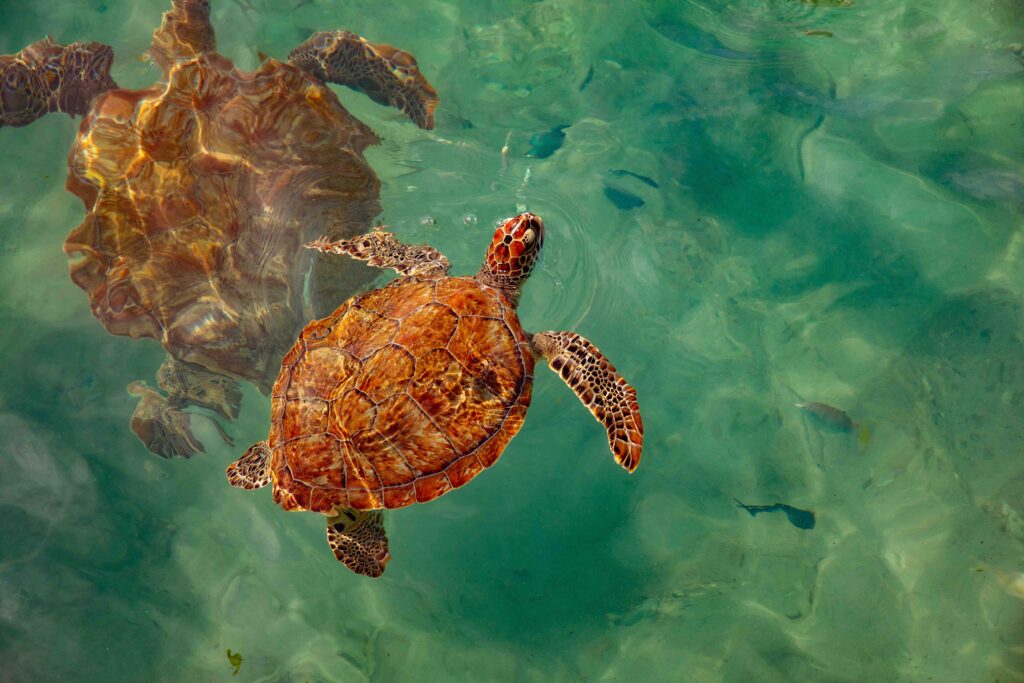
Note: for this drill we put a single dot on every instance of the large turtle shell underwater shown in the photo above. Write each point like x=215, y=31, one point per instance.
x=200, y=191
x=399, y=396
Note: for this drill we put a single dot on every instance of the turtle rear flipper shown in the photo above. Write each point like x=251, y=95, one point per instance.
x=384, y=73
x=191, y=384
x=46, y=77
x=604, y=392
x=165, y=429
x=358, y=540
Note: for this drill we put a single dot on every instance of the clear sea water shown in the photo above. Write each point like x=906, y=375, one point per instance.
x=838, y=216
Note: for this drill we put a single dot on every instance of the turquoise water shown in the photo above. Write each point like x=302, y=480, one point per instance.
x=837, y=217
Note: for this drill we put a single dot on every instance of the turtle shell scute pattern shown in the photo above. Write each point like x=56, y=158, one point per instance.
x=399, y=396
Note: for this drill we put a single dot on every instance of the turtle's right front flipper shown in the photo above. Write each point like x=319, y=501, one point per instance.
x=384, y=73
x=47, y=77
x=600, y=387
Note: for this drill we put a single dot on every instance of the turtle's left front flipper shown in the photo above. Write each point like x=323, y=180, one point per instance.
x=46, y=77
x=384, y=73
x=601, y=388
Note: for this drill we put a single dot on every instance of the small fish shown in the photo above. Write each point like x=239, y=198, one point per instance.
x=828, y=417
x=589, y=77
x=455, y=121
x=235, y=659
x=543, y=145
x=623, y=200
x=621, y=172
x=820, y=32
x=801, y=519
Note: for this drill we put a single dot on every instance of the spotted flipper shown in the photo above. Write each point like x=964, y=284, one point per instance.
x=358, y=540
x=47, y=77
x=601, y=388
x=252, y=470
x=385, y=74
x=382, y=250
x=166, y=430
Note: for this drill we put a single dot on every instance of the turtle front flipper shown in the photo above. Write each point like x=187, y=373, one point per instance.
x=252, y=470
x=384, y=73
x=382, y=250
x=164, y=428
x=358, y=540
x=191, y=384
x=46, y=77
x=601, y=389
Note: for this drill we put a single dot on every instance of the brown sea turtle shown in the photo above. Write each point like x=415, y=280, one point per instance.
x=200, y=191
x=411, y=390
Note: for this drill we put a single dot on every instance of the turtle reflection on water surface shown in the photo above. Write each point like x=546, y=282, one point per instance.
x=411, y=390
x=200, y=191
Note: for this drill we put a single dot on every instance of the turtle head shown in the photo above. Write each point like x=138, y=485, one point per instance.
x=513, y=253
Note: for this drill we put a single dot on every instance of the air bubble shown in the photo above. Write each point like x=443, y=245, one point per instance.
x=470, y=219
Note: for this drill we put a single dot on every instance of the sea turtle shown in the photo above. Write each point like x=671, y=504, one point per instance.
x=411, y=390
x=200, y=191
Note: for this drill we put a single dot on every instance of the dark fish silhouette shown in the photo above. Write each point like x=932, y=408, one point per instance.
x=622, y=199
x=828, y=417
x=696, y=38
x=586, y=81
x=801, y=519
x=621, y=172
x=832, y=419
x=543, y=145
